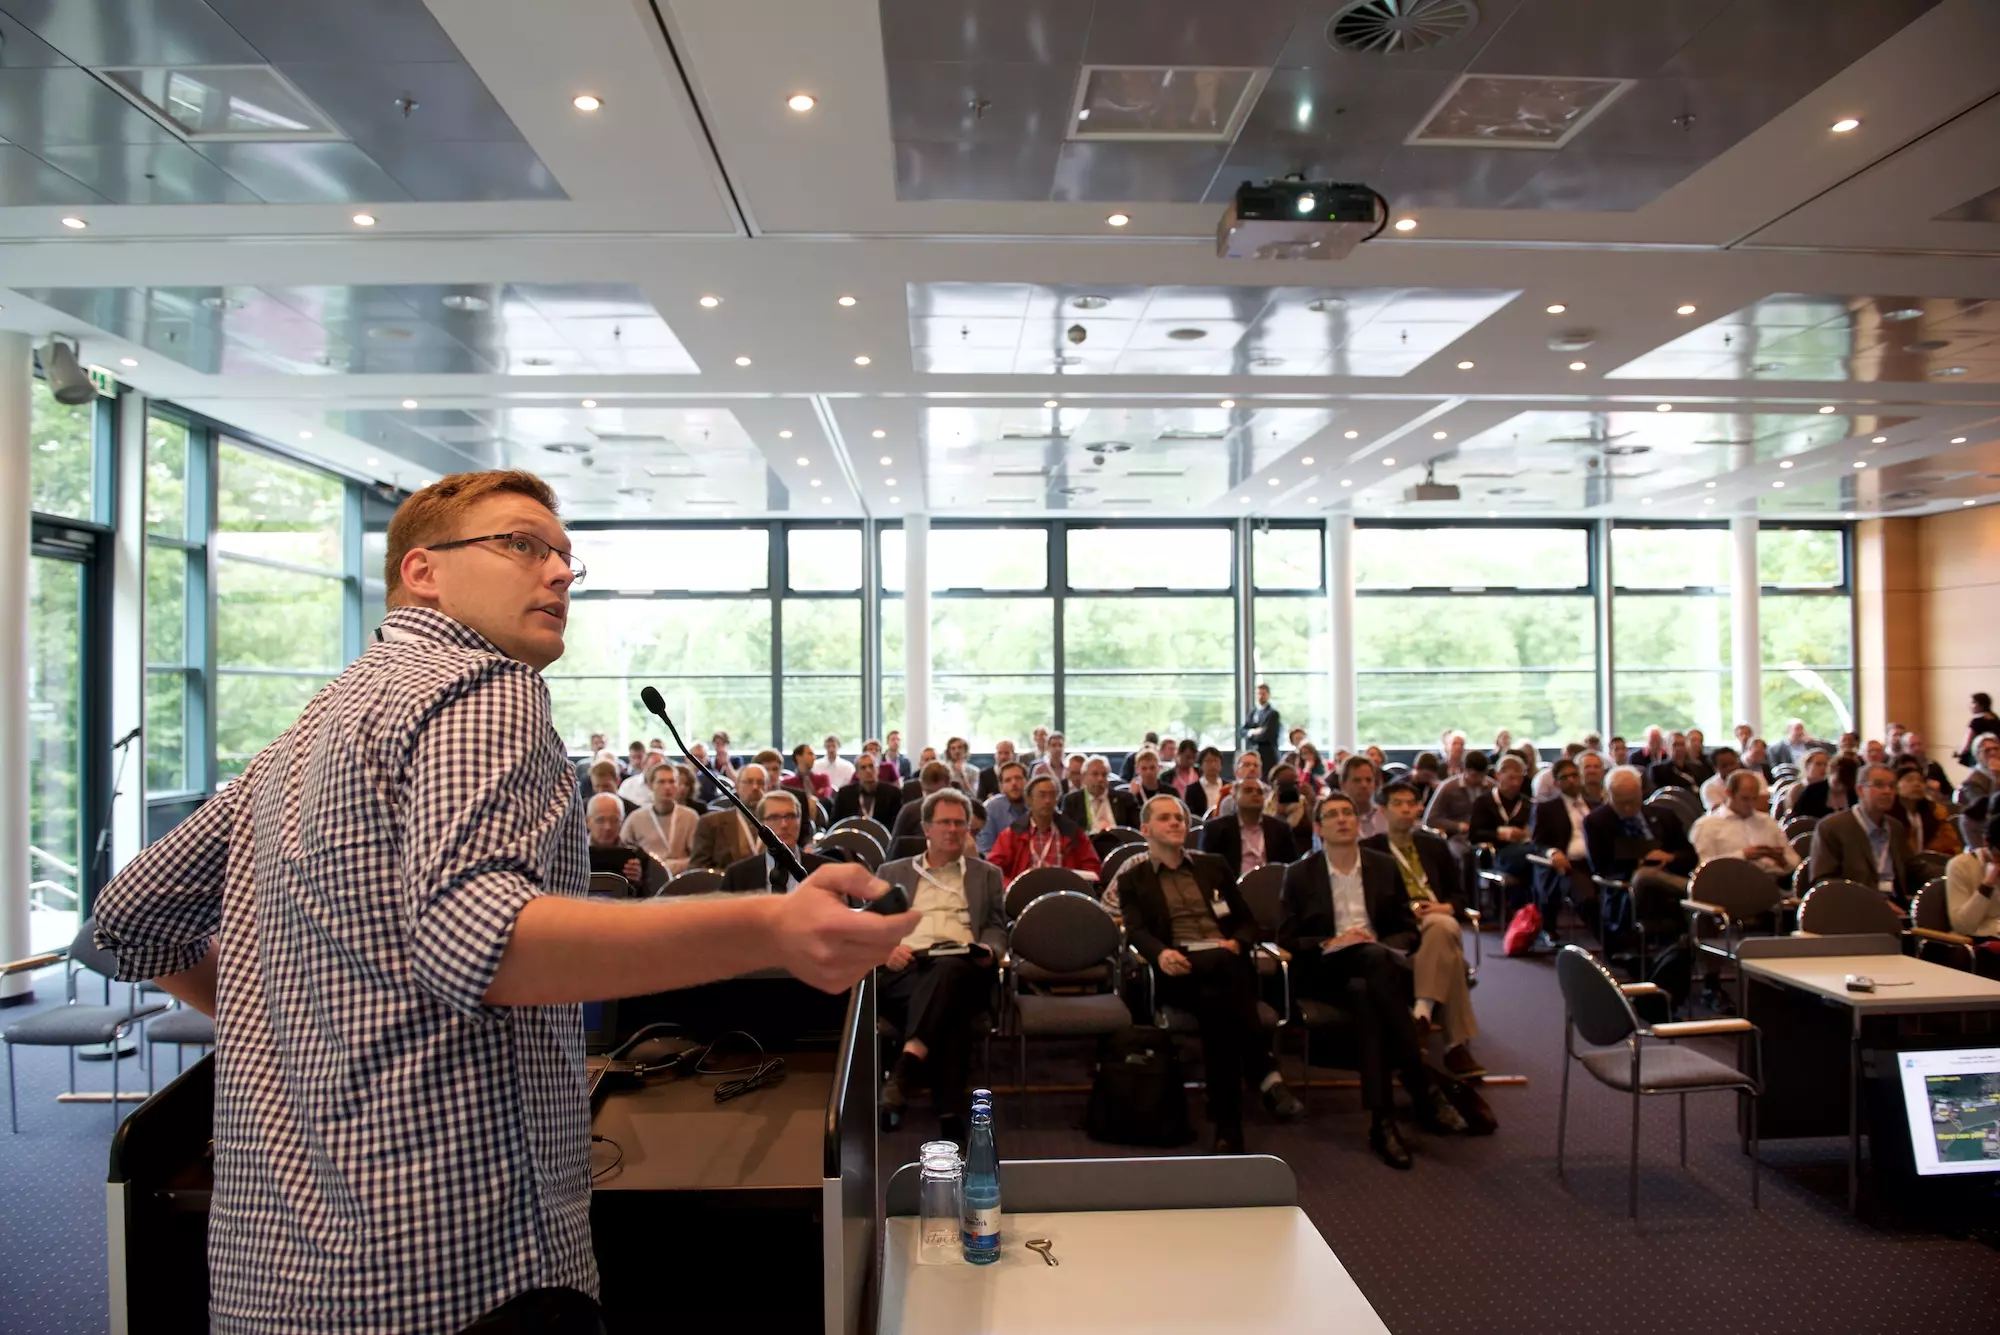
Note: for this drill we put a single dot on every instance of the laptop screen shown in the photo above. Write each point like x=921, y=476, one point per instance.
x=1953, y=1099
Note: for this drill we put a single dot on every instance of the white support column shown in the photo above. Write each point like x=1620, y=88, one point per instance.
x=1746, y=647
x=916, y=721
x=16, y=381
x=128, y=629
x=1340, y=626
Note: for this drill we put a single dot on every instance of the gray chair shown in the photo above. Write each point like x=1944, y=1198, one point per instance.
x=73, y=1024
x=1733, y=894
x=869, y=826
x=1032, y=885
x=694, y=881
x=1799, y=825
x=1108, y=841
x=1063, y=934
x=610, y=885
x=1596, y=1008
x=1683, y=802
x=182, y=1027
x=1930, y=927
x=1928, y=866
x=1848, y=908
x=858, y=842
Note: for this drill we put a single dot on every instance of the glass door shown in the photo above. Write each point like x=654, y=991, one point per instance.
x=55, y=759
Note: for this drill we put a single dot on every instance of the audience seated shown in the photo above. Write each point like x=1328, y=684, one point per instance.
x=1285, y=797
x=1970, y=882
x=958, y=759
x=989, y=778
x=1428, y=872
x=1344, y=907
x=804, y=778
x=1673, y=771
x=1866, y=843
x=1699, y=765
x=1450, y=812
x=1096, y=805
x=839, y=773
x=1557, y=834
x=1503, y=816
x=782, y=809
x=1005, y=807
x=892, y=755
x=1925, y=820
x=867, y=795
x=1150, y=742
x=604, y=780
x=1248, y=763
x=1247, y=838
x=1740, y=829
x=609, y=852
x=1814, y=795
x=1145, y=783
x=1424, y=776
x=1042, y=838
x=664, y=828
x=909, y=817
x=1544, y=786
x=1984, y=780
x=1214, y=787
x=1618, y=752
x=933, y=999
x=1168, y=901
x=1912, y=752
x=1187, y=772
x=1715, y=788
x=1643, y=846
x=723, y=838
x=1360, y=775
x=1059, y=763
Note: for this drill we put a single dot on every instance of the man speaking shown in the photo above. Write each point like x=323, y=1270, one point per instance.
x=386, y=916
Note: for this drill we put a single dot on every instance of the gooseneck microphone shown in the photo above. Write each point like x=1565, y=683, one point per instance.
x=894, y=900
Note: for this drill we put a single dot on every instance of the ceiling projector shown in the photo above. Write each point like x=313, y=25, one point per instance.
x=1430, y=489
x=1295, y=219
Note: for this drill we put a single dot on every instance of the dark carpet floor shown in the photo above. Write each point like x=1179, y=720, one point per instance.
x=1479, y=1238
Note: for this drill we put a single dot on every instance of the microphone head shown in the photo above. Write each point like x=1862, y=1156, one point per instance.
x=651, y=699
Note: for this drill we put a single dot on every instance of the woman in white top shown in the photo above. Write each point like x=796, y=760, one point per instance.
x=664, y=828
x=1972, y=895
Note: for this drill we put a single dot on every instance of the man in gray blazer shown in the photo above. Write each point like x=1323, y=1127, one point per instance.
x=940, y=977
x=1865, y=843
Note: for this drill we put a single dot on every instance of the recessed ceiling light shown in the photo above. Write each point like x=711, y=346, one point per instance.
x=1307, y=461
x=371, y=461
x=128, y=361
x=826, y=500
x=815, y=482
x=1406, y=224
x=1967, y=502
x=1777, y=484
x=786, y=434
x=1645, y=500
x=878, y=433
x=586, y=102
x=742, y=361
x=1347, y=482
x=895, y=500
x=1272, y=481
x=1848, y=515
x=1904, y=313
x=710, y=302
x=1492, y=514
x=1784, y=463
x=74, y=223
x=1949, y=370
x=1048, y=403
x=1708, y=500
x=846, y=301
x=307, y=435
x=1388, y=463
x=1709, y=485
x=1958, y=440
x=1860, y=463
x=863, y=360
x=589, y=403
x=1844, y=124
x=1227, y=403
x=1663, y=407
x=1438, y=435
x=803, y=461
x=1556, y=308
x=1878, y=440
x=801, y=102
x=409, y=403
x=1826, y=408
x=1685, y=308
x=364, y=220
x=888, y=481
x=1579, y=366
x=887, y=460
x=1119, y=219
x=1350, y=435
x=1465, y=366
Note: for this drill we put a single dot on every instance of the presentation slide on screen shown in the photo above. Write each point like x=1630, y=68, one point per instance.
x=1953, y=1097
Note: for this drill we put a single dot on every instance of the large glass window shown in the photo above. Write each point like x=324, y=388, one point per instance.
x=710, y=659
x=1444, y=638
x=176, y=604
x=1138, y=665
x=1292, y=637
x=1806, y=616
x=280, y=596
x=62, y=460
x=820, y=692
x=992, y=668
x=55, y=753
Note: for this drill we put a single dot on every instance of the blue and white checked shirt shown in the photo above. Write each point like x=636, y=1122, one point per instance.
x=391, y=1154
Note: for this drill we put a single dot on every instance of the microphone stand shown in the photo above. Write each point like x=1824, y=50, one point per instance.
x=102, y=1052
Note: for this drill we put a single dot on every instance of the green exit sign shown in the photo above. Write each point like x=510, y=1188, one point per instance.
x=107, y=383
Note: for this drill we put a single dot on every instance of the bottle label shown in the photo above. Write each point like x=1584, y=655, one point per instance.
x=982, y=1228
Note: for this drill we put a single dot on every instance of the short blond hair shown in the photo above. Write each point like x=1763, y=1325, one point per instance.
x=429, y=514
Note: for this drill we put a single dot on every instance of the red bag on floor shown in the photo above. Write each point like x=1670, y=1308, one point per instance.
x=1521, y=931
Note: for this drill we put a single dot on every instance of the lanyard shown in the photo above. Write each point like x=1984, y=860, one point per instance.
x=665, y=842
x=1042, y=849
x=925, y=873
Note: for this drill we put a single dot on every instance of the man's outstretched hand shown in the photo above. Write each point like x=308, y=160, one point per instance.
x=823, y=942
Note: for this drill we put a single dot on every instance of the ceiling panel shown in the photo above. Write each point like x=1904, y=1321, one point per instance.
x=1188, y=32
x=439, y=172
x=134, y=32
x=164, y=173
x=1034, y=32
x=25, y=179
x=350, y=32
x=450, y=101
x=1800, y=336
x=298, y=173
x=1570, y=37
x=41, y=107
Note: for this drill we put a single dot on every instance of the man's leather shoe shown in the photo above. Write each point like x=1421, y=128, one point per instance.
x=1461, y=1063
x=1543, y=941
x=1387, y=1142
x=1283, y=1104
x=1436, y=1115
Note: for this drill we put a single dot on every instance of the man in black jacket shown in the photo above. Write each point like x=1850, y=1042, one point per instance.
x=1249, y=839
x=1430, y=880
x=760, y=871
x=1643, y=846
x=1203, y=964
x=989, y=778
x=866, y=796
x=1263, y=728
x=1097, y=805
x=1344, y=908
x=1557, y=835
x=1501, y=817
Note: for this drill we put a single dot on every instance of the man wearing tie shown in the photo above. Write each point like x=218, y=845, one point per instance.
x=1262, y=729
x=761, y=871
x=723, y=838
x=1097, y=805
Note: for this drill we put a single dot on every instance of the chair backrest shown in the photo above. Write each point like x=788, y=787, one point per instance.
x=1928, y=866
x=610, y=885
x=869, y=826
x=1264, y=891
x=909, y=846
x=1032, y=885
x=1931, y=909
x=1115, y=861
x=84, y=949
x=1064, y=932
x=1109, y=841
x=1597, y=1007
x=1799, y=825
x=696, y=881
x=1680, y=801
x=1847, y=908
x=1802, y=843
x=859, y=843
x=1736, y=885
x=1784, y=771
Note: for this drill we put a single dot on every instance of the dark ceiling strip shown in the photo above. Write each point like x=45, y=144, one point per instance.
x=741, y=214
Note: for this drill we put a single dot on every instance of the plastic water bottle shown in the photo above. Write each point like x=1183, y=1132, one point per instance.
x=941, y=1202
x=981, y=1228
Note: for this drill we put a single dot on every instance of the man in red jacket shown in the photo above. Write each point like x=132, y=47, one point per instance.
x=1042, y=838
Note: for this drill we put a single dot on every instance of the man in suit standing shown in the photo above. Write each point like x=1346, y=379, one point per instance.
x=1249, y=839
x=867, y=795
x=780, y=809
x=1097, y=805
x=723, y=838
x=930, y=988
x=1645, y=847
x=1263, y=728
x=1430, y=881
x=1865, y=843
x=989, y=778
x=1342, y=907
x=1168, y=900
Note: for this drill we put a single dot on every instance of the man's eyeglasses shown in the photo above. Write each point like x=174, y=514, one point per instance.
x=524, y=547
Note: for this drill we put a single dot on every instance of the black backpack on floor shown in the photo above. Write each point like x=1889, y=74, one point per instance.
x=1138, y=1097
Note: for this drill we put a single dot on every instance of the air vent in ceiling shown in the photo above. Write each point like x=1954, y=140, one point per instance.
x=1107, y=447
x=1034, y=435
x=567, y=447
x=1391, y=26
x=1515, y=111
x=1178, y=433
x=1020, y=472
x=1164, y=103
x=1156, y=472
x=1622, y=451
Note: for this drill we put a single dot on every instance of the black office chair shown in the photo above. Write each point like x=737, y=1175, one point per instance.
x=909, y=846
x=610, y=885
x=182, y=1027
x=1735, y=895
x=1115, y=862
x=1930, y=928
x=1106, y=842
x=1799, y=825
x=858, y=842
x=1032, y=885
x=869, y=826
x=1683, y=802
x=1598, y=1008
x=1063, y=935
x=1848, y=908
x=74, y=1025
x=694, y=881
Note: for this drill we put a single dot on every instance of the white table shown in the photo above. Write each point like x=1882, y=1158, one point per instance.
x=1903, y=986
x=1263, y=1268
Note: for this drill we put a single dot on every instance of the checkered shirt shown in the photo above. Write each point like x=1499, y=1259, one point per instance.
x=391, y=1154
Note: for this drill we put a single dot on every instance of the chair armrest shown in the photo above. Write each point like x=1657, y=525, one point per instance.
x=33, y=962
x=1712, y=910
x=1638, y=989
x=1541, y=860
x=1275, y=951
x=1696, y=1028
x=1949, y=938
x=1610, y=883
x=1471, y=915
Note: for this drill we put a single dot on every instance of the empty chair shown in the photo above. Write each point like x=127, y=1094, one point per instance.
x=1597, y=1008
x=182, y=1027
x=73, y=1024
x=858, y=842
x=696, y=881
x=1032, y=885
x=1848, y=908
x=1118, y=836
x=1930, y=925
x=1264, y=891
x=1063, y=934
x=1732, y=894
x=869, y=826
x=1110, y=866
